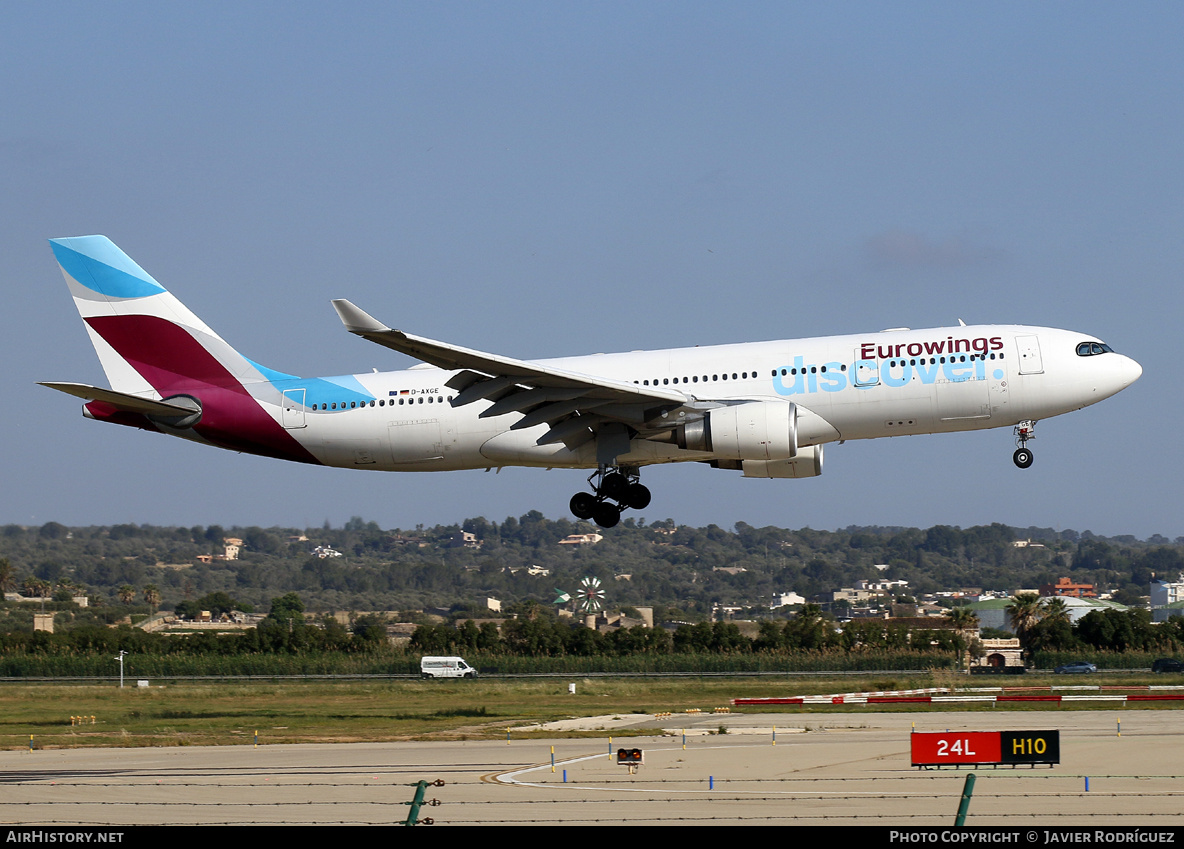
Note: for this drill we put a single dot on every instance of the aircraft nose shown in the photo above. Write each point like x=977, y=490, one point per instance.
x=1131, y=371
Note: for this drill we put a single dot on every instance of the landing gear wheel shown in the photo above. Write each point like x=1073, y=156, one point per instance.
x=614, y=486
x=1022, y=457
x=606, y=515
x=637, y=497
x=582, y=505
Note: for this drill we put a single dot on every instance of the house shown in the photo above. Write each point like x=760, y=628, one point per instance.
x=850, y=594
x=231, y=547
x=784, y=599
x=1164, y=593
x=1167, y=599
x=581, y=539
x=464, y=539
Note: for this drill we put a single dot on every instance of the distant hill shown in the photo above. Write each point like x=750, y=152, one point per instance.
x=682, y=571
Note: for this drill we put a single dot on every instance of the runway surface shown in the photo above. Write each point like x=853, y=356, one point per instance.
x=817, y=770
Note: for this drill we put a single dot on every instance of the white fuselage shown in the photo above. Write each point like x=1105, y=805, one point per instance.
x=864, y=386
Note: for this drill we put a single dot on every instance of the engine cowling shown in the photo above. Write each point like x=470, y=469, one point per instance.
x=807, y=464
x=759, y=430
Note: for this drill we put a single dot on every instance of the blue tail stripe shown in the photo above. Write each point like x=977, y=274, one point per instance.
x=96, y=263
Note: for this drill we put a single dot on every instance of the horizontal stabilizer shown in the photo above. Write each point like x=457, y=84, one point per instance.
x=121, y=400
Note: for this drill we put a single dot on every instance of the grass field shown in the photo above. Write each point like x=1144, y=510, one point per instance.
x=232, y=713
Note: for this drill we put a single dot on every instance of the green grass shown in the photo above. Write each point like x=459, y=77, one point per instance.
x=191, y=713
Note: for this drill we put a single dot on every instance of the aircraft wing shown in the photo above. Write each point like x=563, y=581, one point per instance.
x=574, y=404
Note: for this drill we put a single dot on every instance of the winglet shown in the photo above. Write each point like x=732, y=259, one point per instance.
x=357, y=320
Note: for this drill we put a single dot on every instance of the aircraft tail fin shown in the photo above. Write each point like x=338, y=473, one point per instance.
x=148, y=342
x=167, y=369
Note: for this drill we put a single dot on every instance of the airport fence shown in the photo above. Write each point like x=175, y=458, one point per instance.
x=380, y=796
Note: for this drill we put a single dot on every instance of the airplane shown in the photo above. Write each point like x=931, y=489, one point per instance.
x=764, y=409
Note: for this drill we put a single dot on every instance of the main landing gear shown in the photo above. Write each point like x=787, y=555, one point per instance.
x=1023, y=432
x=620, y=484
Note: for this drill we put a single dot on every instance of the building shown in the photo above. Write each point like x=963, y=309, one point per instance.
x=464, y=539
x=1167, y=611
x=1000, y=654
x=581, y=539
x=854, y=596
x=1164, y=593
x=785, y=599
x=993, y=612
x=1066, y=588
x=230, y=548
x=1167, y=599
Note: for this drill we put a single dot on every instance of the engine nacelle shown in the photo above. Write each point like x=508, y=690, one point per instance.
x=759, y=430
x=808, y=464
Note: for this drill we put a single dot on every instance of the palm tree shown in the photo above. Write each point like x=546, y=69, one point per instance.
x=34, y=587
x=152, y=596
x=965, y=621
x=1055, y=609
x=126, y=593
x=962, y=618
x=1023, y=613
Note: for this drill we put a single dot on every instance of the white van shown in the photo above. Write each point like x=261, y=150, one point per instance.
x=446, y=667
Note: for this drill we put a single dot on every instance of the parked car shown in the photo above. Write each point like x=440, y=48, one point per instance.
x=1168, y=664
x=1077, y=666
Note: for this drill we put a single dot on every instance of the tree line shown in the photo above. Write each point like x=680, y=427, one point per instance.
x=683, y=571
x=810, y=630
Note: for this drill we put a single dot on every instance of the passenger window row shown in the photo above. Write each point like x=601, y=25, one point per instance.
x=382, y=402
x=696, y=379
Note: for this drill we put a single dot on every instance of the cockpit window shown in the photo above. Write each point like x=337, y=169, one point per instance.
x=1090, y=349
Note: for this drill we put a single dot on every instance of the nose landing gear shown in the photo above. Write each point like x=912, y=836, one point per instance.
x=1023, y=432
x=620, y=484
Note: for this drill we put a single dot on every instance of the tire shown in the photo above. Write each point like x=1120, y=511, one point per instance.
x=614, y=486
x=637, y=497
x=1022, y=457
x=606, y=515
x=582, y=505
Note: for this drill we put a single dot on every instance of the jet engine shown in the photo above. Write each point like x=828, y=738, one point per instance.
x=758, y=430
x=807, y=464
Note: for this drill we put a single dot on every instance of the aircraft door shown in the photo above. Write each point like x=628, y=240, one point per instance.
x=292, y=409
x=1029, y=351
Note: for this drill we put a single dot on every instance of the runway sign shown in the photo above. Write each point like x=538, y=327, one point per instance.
x=986, y=747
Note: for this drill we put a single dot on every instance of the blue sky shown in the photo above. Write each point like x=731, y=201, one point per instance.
x=541, y=179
